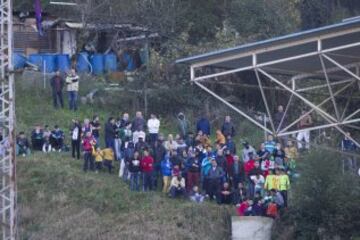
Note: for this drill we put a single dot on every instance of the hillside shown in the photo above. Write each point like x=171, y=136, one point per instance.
x=57, y=200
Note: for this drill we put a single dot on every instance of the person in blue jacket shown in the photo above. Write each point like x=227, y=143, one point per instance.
x=203, y=125
x=166, y=169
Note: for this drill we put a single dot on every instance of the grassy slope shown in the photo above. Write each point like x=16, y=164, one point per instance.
x=58, y=201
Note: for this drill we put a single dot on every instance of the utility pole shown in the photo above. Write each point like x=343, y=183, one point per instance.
x=8, y=191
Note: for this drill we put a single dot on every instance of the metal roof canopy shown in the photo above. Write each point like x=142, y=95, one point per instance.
x=330, y=53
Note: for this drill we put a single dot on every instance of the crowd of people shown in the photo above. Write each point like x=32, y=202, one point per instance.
x=185, y=165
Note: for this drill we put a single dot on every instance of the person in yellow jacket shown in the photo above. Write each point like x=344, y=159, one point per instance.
x=271, y=181
x=72, y=87
x=108, y=155
x=284, y=185
x=220, y=138
x=98, y=155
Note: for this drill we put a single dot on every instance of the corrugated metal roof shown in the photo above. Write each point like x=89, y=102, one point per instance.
x=317, y=32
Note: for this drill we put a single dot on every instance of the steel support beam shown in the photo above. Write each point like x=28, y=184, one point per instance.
x=7, y=116
x=306, y=101
x=232, y=107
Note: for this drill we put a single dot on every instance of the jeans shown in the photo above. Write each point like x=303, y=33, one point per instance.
x=58, y=97
x=98, y=166
x=88, y=162
x=75, y=147
x=134, y=181
x=147, y=181
x=175, y=192
x=20, y=150
x=73, y=95
x=153, y=138
x=108, y=164
x=109, y=143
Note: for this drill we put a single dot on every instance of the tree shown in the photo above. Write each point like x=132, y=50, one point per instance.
x=325, y=201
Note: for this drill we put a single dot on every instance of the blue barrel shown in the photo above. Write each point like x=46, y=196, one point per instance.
x=19, y=60
x=130, y=62
x=97, y=63
x=82, y=62
x=110, y=63
x=48, y=62
x=36, y=59
x=63, y=62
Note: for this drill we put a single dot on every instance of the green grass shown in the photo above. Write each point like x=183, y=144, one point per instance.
x=56, y=200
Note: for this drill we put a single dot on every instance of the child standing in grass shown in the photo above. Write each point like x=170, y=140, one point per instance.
x=135, y=171
x=98, y=155
x=108, y=155
x=88, y=143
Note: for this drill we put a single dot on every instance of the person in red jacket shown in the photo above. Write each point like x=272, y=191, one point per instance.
x=88, y=144
x=147, y=167
x=249, y=165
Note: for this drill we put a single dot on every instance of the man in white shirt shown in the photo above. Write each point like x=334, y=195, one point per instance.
x=153, y=125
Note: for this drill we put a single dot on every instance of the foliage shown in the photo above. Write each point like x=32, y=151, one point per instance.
x=325, y=202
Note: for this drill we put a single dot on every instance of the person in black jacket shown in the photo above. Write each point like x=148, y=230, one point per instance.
x=22, y=145
x=158, y=153
x=228, y=128
x=110, y=133
x=57, y=85
x=135, y=171
x=75, y=132
x=37, y=138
